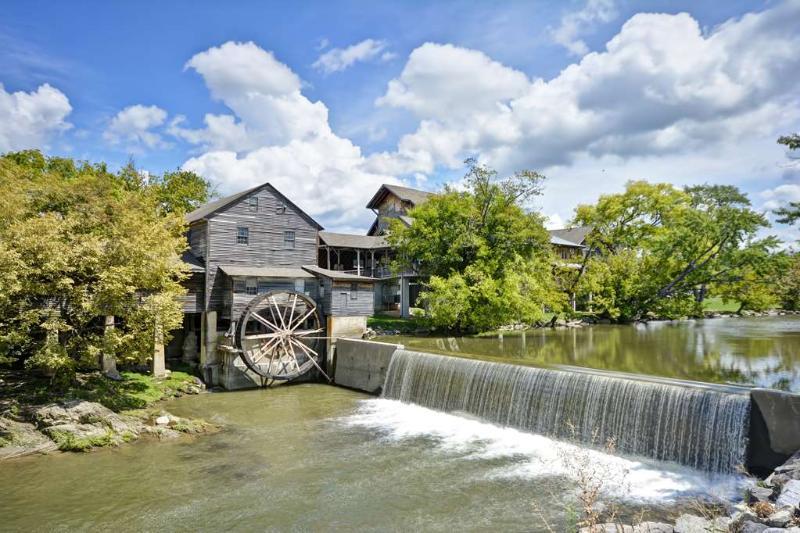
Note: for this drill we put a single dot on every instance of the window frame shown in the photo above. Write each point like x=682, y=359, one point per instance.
x=252, y=203
x=289, y=243
x=243, y=235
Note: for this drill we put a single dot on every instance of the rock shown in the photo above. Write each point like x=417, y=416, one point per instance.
x=18, y=439
x=695, y=524
x=653, y=527
x=782, y=530
x=752, y=527
x=790, y=494
x=759, y=494
x=608, y=528
x=780, y=518
x=80, y=425
x=162, y=420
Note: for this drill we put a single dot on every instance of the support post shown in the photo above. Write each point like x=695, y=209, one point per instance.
x=328, y=253
x=108, y=364
x=404, y=296
x=158, y=367
x=208, y=355
x=358, y=262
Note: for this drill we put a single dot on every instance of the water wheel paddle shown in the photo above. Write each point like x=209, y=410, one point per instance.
x=280, y=336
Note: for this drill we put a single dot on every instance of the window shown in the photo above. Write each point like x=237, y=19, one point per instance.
x=281, y=208
x=288, y=239
x=252, y=287
x=300, y=285
x=242, y=236
x=239, y=286
x=252, y=202
x=354, y=291
x=263, y=287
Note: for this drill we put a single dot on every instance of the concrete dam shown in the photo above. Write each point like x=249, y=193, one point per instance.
x=708, y=427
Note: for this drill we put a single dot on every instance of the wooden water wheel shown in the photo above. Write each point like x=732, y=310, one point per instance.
x=281, y=336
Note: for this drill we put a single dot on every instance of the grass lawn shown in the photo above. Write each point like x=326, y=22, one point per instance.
x=386, y=322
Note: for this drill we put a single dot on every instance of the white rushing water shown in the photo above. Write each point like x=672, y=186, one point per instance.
x=701, y=428
x=530, y=456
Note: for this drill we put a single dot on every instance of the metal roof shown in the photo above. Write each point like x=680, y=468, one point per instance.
x=558, y=241
x=346, y=240
x=574, y=235
x=195, y=265
x=205, y=211
x=265, y=272
x=335, y=275
x=407, y=194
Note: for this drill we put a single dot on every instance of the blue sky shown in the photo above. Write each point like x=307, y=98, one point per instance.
x=329, y=99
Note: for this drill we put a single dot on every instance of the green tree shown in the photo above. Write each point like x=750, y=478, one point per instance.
x=789, y=214
x=78, y=242
x=658, y=249
x=487, y=259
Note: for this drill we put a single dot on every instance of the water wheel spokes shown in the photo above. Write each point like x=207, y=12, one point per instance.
x=280, y=336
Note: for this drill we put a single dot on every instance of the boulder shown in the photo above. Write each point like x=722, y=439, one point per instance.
x=780, y=518
x=695, y=524
x=653, y=527
x=21, y=438
x=162, y=420
x=790, y=494
x=608, y=528
x=759, y=494
x=81, y=412
x=752, y=527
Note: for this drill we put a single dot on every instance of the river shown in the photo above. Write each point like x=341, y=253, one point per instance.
x=315, y=457
x=760, y=351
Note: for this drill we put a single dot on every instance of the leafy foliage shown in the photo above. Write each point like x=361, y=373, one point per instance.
x=658, y=249
x=78, y=242
x=488, y=260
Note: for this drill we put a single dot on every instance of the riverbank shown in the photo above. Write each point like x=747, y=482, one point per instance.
x=92, y=412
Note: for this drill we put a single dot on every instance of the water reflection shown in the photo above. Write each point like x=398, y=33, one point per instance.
x=763, y=351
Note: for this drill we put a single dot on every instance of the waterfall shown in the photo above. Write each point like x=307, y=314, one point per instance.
x=701, y=428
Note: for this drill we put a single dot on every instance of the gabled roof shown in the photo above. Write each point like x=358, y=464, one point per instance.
x=347, y=240
x=558, y=241
x=335, y=275
x=574, y=235
x=208, y=210
x=406, y=194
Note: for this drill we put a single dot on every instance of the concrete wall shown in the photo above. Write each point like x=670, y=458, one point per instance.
x=774, y=429
x=362, y=365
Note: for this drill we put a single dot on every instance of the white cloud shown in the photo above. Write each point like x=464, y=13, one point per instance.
x=338, y=59
x=134, y=125
x=277, y=135
x=660, y=87
x=575, y=23
x=780, y=196
x=29, y=120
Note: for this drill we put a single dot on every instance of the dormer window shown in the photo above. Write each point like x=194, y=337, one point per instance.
x=242, y=236
x=252, y=203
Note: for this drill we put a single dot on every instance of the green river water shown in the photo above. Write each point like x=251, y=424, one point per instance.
x=319, y=458
x=760, y=351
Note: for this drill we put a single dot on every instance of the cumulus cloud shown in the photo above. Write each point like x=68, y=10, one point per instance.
x=575, y=23
x=338, y=59
x=780, y=196
x=278, y=135
x=30, y=119
x=134, y=125
x=661, y=86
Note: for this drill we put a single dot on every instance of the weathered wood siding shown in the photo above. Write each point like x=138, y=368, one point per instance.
x=340, y=299
x=192, y=302
x=266, y=239
x=235, y=302
x=198, y=238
